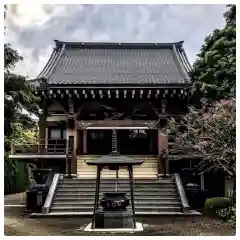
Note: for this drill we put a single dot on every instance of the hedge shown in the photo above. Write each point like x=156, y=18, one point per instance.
x=220, y=206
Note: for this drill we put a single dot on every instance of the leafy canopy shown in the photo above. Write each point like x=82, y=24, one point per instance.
x=19, y=98
x=214, y=71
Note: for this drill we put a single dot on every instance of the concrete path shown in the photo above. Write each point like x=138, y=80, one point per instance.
x=14, y=199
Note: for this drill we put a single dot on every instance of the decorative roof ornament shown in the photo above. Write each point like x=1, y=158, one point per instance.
x=151, y=125
x=43, y=80
x=84, y=125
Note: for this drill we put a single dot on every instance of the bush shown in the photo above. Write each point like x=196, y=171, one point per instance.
x=232, y=218
x=15, y=176
x=220, y=206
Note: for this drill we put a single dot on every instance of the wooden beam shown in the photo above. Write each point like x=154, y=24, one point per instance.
x=125, y=93
x=133, y=93
x=163, y=107
x=165, y=93
x=93, y=94
x=70, y=106
x=100, y=93
x=149, y=94
x=120, y=124
x=115, y=127
x=84, y=141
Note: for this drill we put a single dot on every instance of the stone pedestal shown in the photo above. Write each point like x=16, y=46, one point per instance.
x=114, y=219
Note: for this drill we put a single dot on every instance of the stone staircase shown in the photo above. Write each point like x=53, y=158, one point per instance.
x=157, y=196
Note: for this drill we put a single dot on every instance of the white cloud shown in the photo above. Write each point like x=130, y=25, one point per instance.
x=32, y=29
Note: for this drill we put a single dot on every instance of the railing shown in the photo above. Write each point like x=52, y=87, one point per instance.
x=181, y=192
x=51, y=147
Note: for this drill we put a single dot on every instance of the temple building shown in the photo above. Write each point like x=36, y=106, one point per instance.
x=89, y=89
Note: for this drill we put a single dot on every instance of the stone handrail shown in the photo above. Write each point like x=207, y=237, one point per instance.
x=52, y=189
x=181, y=192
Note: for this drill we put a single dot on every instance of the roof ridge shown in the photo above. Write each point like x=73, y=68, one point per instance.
x=153, y=45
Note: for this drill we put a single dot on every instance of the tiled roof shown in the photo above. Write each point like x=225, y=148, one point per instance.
x=114, y=63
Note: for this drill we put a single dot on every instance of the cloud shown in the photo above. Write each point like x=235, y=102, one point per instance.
x=32, y=30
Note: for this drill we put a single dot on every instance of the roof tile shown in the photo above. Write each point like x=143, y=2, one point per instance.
x=89, y=65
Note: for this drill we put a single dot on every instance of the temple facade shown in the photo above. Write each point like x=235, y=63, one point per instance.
x=89, y=89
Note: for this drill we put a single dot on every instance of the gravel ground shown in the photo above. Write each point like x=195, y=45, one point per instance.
x=19, y=224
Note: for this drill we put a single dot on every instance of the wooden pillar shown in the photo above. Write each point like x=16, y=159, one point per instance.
x=71, y=132
x=43, y=129
x=159, y=153
x=46, y=139
x=202, y=181
x=130, y=170
x=162, y=148
x=84, y=141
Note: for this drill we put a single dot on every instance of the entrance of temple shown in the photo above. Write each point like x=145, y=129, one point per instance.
x=138, y=143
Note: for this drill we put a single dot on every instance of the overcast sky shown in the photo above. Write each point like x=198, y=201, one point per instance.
x=31, y=30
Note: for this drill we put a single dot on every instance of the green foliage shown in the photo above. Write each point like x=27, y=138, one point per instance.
x=220, y=206
x=217, y=203
x=210, y=132
x=232, y=217
x=19, y=103
x=214, y=72
x=15, y=176
x=19, y=98
x=15, y=172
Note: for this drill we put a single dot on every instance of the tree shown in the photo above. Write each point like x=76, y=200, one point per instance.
x=19, y=103
x=214, y=72
x=19, y=99
x=211, y=132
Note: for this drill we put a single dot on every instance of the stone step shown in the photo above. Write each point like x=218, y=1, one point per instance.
x=153, y=195
x=91, y=203
x=109, y=181
x=137, y=208
x=120, y=186
x=92, y=193
x=127, y=190
x=113, y=182
x=61, y=198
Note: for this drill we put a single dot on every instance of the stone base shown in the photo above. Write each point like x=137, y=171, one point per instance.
x=114, y=219
x=139, y=228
